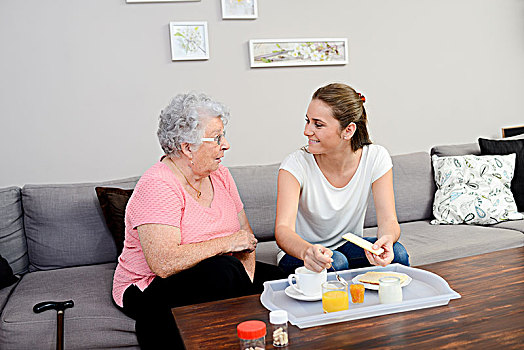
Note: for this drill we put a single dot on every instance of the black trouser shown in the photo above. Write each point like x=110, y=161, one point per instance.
x=216, y=278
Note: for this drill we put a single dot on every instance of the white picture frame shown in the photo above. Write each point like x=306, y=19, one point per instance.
x=298, y=52
x=189, y=41
x=141, y=1
x=239, y=9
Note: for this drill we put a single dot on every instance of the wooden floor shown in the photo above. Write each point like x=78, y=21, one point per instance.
x=490, y=315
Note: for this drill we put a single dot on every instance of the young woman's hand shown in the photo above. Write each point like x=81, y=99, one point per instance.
x=385, y=242
x=317, y=258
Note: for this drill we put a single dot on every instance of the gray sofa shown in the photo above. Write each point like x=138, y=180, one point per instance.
x=56, y=239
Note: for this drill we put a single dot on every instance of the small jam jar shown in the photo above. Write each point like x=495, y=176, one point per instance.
x=389, y=290
x=278, y=320
x=252, y=335
x=357, y=293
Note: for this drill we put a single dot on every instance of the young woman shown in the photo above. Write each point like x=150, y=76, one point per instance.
x=324, y=187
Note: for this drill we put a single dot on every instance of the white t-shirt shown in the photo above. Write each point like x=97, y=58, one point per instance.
x=326, y=212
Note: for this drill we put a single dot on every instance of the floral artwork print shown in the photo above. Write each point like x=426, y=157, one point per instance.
x=474, y=189
x=298, y=53
x=239, y=9
x=189, y=41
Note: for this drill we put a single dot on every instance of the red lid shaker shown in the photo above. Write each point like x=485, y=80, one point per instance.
x=252, y=335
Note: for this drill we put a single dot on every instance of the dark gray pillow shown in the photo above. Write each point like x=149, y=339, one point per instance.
x=113, y=202
x=6, y=274
x=503, y=147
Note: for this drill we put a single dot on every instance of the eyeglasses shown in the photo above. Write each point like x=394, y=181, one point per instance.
x=217, y=139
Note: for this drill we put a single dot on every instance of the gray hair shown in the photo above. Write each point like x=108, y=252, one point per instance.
x=183, y=120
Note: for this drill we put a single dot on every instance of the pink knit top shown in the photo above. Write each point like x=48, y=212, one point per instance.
x=159, y=198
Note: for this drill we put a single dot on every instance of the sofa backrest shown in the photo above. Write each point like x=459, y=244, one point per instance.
x=65, y=226
x=257, y=186
x=12, y=238
x=456, y=150
x=412, y=181
x=414, y=189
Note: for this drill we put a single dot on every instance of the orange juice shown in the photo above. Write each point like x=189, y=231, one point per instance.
x=335, y=300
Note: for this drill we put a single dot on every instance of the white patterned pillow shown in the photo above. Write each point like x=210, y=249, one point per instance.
x=474, y=189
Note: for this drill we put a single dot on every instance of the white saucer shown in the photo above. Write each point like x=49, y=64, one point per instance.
x=375, y=286
x=292, y=293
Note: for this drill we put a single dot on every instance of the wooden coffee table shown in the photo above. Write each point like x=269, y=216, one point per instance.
x=489, y=315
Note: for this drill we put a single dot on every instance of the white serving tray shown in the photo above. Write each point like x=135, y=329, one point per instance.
x=425, y=290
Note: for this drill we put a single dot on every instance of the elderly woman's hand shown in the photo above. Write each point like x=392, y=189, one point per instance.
x=242, y=240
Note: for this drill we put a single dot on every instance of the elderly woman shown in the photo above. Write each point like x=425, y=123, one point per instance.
x=187, y=239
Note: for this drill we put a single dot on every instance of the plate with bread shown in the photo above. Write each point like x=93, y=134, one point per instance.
x=370, y=278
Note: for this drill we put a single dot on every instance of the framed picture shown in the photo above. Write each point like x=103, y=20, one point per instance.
x=298, y=52
x=189, y=41
x=512, y=131
x=137, y=1
x=239, y=9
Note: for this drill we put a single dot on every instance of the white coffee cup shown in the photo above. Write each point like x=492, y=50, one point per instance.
x=309, y=283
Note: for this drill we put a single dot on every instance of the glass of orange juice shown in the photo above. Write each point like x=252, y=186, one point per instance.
x=334, y=296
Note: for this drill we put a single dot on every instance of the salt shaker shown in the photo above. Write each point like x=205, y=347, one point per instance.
x=278, y=320
x=252, y=335
x=389, y=290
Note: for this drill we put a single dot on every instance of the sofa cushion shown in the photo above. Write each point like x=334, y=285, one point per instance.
x=93, y=323
x=267, y=252
x=517, y=225
x=65, y=226
x=474, y=189
x=507, y=147
x=257, y=186
x=428, y=243
x=414, y=189
x=113, y=202
x=4, y=296
x=13, y=245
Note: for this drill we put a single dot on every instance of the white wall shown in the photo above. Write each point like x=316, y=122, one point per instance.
x=82, y=81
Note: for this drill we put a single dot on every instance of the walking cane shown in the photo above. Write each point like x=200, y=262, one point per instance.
x=60, y=307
